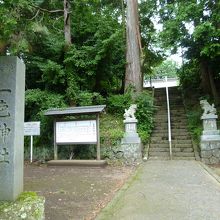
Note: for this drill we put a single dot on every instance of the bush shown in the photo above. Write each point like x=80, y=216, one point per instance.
x=111, y=129
x=89, y=98
x=195, y=123
x=144, y=115
x=145, y=111
x=118, y=103
x=36, y=103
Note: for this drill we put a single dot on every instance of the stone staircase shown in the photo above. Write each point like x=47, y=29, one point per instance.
x=182, y=147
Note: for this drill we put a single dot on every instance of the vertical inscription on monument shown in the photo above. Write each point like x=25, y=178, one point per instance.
x=12, y=88
x=4, y=129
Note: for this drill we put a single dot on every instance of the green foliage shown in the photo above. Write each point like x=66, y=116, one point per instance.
x=40, y=152
x=87, y=72
x=189, y=76
x=145, y=110
x=195, y=124
x=194, y=26
x=144, y=115
x=167, y=68
x=118, y=103
x=89, y=98
x=27, y=195
x=53, y=73
x=36, y=103
x=28, y=206
x=112, y=129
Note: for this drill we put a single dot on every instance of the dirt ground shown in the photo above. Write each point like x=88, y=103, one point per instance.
x=74, y=192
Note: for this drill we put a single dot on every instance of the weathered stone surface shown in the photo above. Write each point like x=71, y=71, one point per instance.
x=211, y=156
x=205, y=160
x=210, y=145
x=132, y=153
x=209, y=110
x=129, y=113
x=131, y=136
x=214, y=160
x=216, y=153
x=131, y=142
x=206, y=154
x=210, y=124
x=12, y=88
x=28, y=206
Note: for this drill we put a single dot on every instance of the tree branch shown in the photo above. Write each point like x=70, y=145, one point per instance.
x=35, y=15
x=45, y=10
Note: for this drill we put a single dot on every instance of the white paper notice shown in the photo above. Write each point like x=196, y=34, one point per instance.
x=76, y=132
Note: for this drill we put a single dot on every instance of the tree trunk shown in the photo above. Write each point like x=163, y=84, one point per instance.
x=205, y=83
x=208, y=83
x=213, y=87
x=133, y=76
x=67, y=28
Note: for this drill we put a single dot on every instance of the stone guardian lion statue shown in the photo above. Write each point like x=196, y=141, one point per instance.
x=208, y=109
x=129, y=113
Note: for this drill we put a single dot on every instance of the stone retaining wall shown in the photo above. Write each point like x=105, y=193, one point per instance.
x=210, y=152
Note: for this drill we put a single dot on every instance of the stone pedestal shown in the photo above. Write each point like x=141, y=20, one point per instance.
x=210, y=140
x=131, y=143
x=12, y=88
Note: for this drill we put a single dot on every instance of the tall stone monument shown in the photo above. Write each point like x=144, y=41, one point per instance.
x=131, y=142
x=210, y=139
x=12, y=89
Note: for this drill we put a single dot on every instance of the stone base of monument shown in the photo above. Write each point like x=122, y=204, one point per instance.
x=83, y=163
x=210, y=140
x=28, y=206
x=131, y=143
x=132, y=153
x=210, y=149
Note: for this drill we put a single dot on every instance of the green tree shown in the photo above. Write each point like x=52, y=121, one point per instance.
x=194, y=26
x=167, y=68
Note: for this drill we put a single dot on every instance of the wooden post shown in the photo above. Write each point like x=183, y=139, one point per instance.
x=98, y=138
x=55, y=145
x=31, y=150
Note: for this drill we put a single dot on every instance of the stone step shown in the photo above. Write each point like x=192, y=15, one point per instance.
x=173, y=138
x=177, y=146
x=159, y=149
x=160, y=123
x=175, y=121
x=177, y=110
x=178, y=120
x=183, y=158
x=165, y=126
x=159, y=158
x=159, y=154
x=160, y=141
x=180, y=145
x=183, y=137
x=172, y=99
x=189, y=149
x=183, y=154
x=164, y=132
x=162, y=136
x=173, y=118
x=173, y=130
x=158, y=145
x=168, y=158
x=174, y=133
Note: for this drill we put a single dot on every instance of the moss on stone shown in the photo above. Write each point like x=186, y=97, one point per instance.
x=28, y=206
